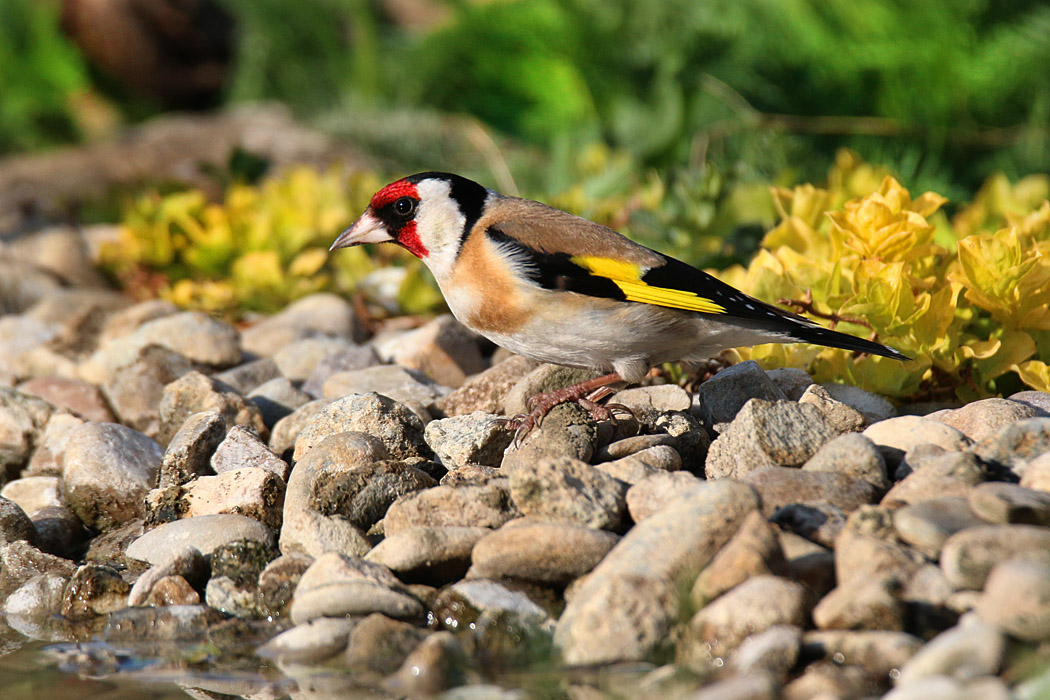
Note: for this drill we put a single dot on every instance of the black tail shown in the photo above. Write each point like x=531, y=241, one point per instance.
x=818, y=335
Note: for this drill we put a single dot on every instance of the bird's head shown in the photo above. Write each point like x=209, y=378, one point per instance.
x=428, y=214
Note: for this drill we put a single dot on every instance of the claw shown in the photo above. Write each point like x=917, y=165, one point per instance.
x=587, y=394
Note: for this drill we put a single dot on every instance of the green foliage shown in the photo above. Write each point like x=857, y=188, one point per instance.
x=261, y=248
x=975, y=313
x=41, y=77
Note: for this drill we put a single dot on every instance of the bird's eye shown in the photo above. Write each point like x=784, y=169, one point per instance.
x=404, y=206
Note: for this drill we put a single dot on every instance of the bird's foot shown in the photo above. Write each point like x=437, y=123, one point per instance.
x=588, y=394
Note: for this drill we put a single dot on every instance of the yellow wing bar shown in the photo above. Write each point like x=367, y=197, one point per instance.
x=628, y=277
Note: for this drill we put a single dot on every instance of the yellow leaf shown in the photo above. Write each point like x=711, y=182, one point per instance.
x=1035, y=374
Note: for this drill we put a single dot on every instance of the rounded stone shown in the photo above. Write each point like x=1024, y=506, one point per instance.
x=206, y=533
x=544, y=552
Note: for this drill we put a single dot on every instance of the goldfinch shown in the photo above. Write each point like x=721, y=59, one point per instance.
x=559, y=288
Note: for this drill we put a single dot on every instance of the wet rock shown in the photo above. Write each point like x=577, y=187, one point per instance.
x=981, y=419
x=278, y=581
x=895, y=436
x=306, y=529
x=195, y=392
x=190, y=449
x=438, y=663
x=970, y=649
x=466, y=602
x=74, y=395
x=750, y=608
x=393, y=424
x=242, y=448
x=969, y=556
x=172, y=623
x=256, y=493
x=235, y=570
x=299, y=360
x=276, y=399
x=485, y=391
x=543, y=379
x=568, y=489
x=754, y=550
x=22, y=421
x=108, y=471
x=433, y=555
x=927, y=524
x=544, y=552
x=880, y=652
x=488, y=505
x=873, y=407
x=442, y=348
x=478, y=438
x=310, y=643
x=188, y=564
x=940, y=476
x=206, y=533
x=625, y=608
x=1016, y=599
x=317, y=314
x=135, y=388
x=854, y=455
x=870, y=605
x=35, y=603
x=654, y=492
x=14, y=523
x=816, y=520
x=781, y=486
x=94, y=590
x=336, y=585
x=1009, y=448
x=287, y=429
x=378, y=645
x=774, y=651
x=723, y=395
x=245, y=377
x=765, y=434
x=790, y=380
x=1010, y=503
x=633, y=468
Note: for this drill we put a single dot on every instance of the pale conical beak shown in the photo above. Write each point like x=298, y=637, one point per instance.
x=367, y=229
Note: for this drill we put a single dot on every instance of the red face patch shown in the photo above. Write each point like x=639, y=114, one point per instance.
x=401, y=188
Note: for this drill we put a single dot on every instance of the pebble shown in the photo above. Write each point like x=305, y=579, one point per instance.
x=378, y=645
x=311, y=642
x=568, y=489
x=654, y=492
x=873, y=407
x=437, y=664
x=754, y=550
x=336, y=585
x=49, y=456
x=242, y=448
x=1036, y=399
x=14, y=523
x=276, y=399
x=1015, y=599
x=488, y=505
x=348, y=358
x=861, y=557
x=316, y=314
x=22, y=421
x=927, y=524
x=247, y=376
x=816, y=520
x=723, y=395
x=190, y=449
x=194, y=392
x=33, y=605
x=195, y=335
x=567, y=431
x=981, y=419
x=188, y=564
x=1036, y=472
x=286, y=430
x=109, y=468
x=971, y=649
x=155, y=624
x=543, y=378
x=781, y=486
x=20, y=560
x=136, y=388
x=33, y=493
x=941, y=475
x=205, y=532
x=648, y=402
x=432, y=555
x=298, y=360
x=842, y=417
x=94, y=590
x=543, y=552
x=790, y=380
x=970, y=555
x=486, y=390
x=868, y=605
x=750, y=608
x=632, y=445
x=895, y=436
x=398, y=428
x=477, y=438
x=442, y=348
x=1003, y=503
x=880, y=652
x=74, y=395
x=1011, y=447
x=751, y=686
x=635, y=467
x=766, y=434
x=854, y=455
x=256, y=493
x=774, y=651
x=625, y=608
x=407, y=386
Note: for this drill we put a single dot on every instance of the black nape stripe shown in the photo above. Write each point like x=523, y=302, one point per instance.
x=555, y=270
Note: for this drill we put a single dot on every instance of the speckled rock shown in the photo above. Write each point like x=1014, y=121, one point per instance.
x=568, y=489
x=781, y=486
x=206, y=533
x=442, y=348
x=397, y=427
x=317, y=314
x=276, y=399
x=854, y=455
x=895, y=436
x=336, y=585
x=766, y=434
x=478, y=438
x=753, y=551
x=190, y=449
x=540, y=551
x=1035, y=399
x=625, y=608
x=136, y=387
x=108, y=471
x=723, y=395
x=868, y=605
x=843, y=417
x=970, y=555
x=927, y=524
x=351, y=357
x=76, y=396
x=433, y=555
x=752, y=607
x=94, y=590
x=20, y=561
x=1010, y=447
x=485, y=391
x=567, y=431
x=242, y=448
x=648, y=402
x=653, y=493
x=981, y=419
x=488, y=505
x=362, y=494
x=250, y=491
x=790, y=380
x=195, y=392
x=14, y=523
x=873, y=407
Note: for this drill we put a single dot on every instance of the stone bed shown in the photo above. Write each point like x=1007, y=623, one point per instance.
x=351, y=513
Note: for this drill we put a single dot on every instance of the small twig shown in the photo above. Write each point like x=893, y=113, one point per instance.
x=806, y=305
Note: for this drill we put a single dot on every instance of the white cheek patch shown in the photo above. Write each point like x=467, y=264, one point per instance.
x=439, y=225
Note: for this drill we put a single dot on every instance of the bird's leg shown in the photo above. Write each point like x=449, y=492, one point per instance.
x=587, y=394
